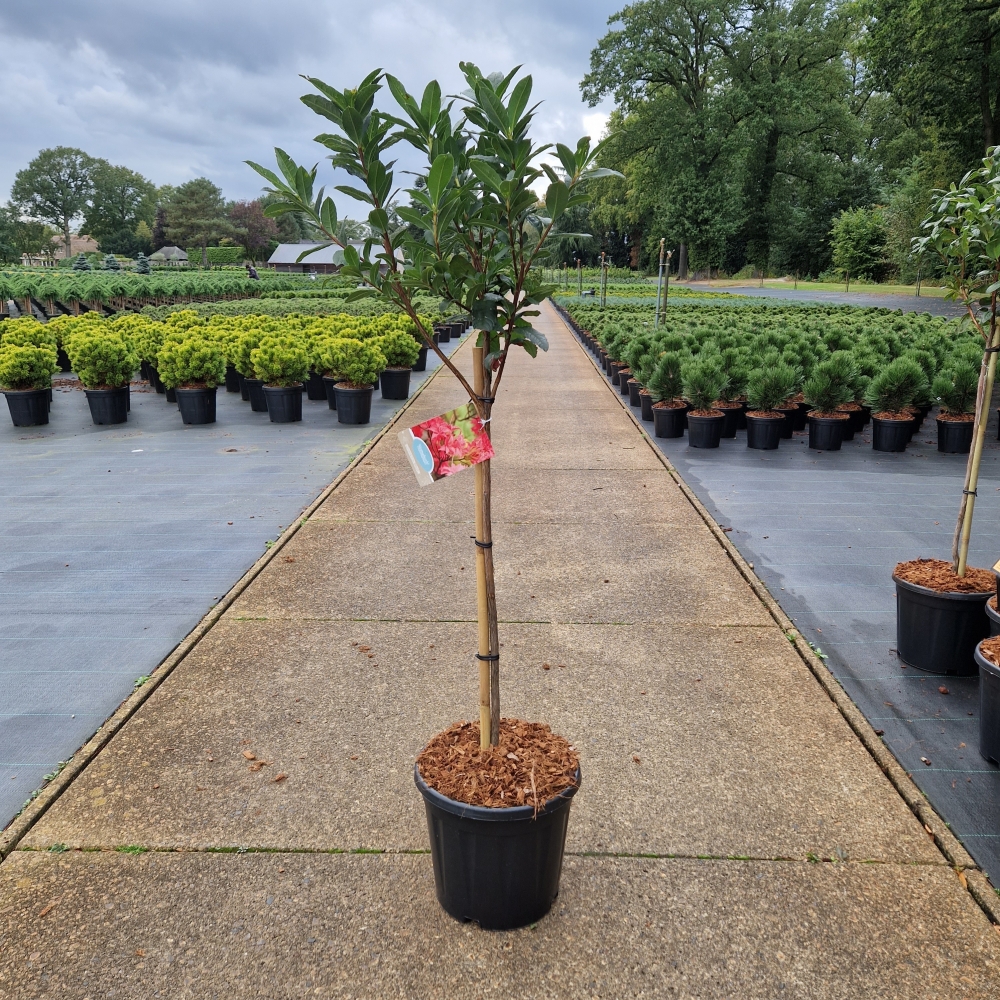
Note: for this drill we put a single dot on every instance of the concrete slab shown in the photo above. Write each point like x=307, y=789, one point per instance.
x=737, y=756
x=295, y=925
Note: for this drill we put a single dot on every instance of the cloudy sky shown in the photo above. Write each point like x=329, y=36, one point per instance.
x=194, y=88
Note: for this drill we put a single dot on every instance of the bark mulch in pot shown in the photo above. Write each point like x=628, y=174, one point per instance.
x=936, y=574
x=990, y=648
x=530, y=766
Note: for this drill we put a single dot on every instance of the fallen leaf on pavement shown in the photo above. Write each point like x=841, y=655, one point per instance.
x=943, y=689
x=249, y=754
x=635, y=757
x=279, y=777
x=48, y=909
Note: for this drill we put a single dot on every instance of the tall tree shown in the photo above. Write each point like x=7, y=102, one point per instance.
x=196, y=215
x=120, y=199
x=54, y=187
x=254, y=230
x=18, y=236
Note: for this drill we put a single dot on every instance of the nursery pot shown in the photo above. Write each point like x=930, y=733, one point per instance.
x=28, y=407
x=705, y=431
x=284, y=403
x=614, y=367
x=731, y=421
x=634, y=385
x=244, y=391
x=444, y=334
x=668, y=421
x=989, y=708
x=331, y=396
x=255, y=390
x=421, y=363
x=154, y=381
x=788, y=412
x=993, y=617
x=939, y=632
x=890, y=435
x=354, y=406
x=396, y=383
x=799, y=417
x=171, y=395
x=827, y=433
x=741, y=417
x=232, y=379
x=624, y=375
x=646, y=404
x=954, y=436
x=197, y=405
x=314, y=386
x=62, y=360
x=108, y=406
x=764, y=433
x=498, y=867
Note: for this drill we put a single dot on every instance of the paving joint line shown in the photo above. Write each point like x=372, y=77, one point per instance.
x=11, y=836
x=947, y=843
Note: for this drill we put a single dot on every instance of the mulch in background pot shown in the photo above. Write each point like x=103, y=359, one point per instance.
x=987, y=654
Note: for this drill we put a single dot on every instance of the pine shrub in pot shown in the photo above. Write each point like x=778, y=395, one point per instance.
x=890, y=394
x=357, y=364
x=955, y=389
x=105, y=363
x=666, y=387
x=493, y=863
x=826, y=390
x=282, y=365
x=401, y=351
x=26, y=372
x=193, y=366
x=767, y=388
x=704, y=381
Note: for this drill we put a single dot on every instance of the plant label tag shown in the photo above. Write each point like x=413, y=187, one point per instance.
x=996, y=567
x=447, y=444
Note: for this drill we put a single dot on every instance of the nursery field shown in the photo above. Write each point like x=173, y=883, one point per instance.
x=824, y=530
x=118, y=539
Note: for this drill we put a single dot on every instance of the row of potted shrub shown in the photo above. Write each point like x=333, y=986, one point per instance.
x=722, y=387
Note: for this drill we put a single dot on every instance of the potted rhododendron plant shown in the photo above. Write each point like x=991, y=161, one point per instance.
x=475, y=231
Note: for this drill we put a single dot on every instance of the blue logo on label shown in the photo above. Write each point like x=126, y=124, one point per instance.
x=423, y=455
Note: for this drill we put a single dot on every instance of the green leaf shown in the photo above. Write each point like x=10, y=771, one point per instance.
x=328, y=216
x=555, y=200
x=439, y=176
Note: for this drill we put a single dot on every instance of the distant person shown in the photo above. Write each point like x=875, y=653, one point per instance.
x=252, y=272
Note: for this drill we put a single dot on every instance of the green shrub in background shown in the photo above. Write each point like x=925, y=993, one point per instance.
x=247, y=343
x=25, y=332
x=216, y=255
x=896, y=387
x=280, y=361
x=399, y=348
x=956, y=387
x=189, y=361
x=27, y=366
x=101, y=360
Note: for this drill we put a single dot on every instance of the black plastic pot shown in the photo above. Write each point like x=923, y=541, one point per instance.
x=444, y=334
x=789, y=413
x=232, y=379
x=354, y=406
x=255, y=392
x=705, y=432
x=28, y=407
x=827, y=433
x=954, y=436
x=315, y=389
x=989, y=708
x=634, y=385
x=731, y=422
x=993, y=617
x=396, y=383
x=171, y=395
x=498, y=867
x=646, y=405
x=284, y=403
x=155, y=381
x=668, y=421
x=197, y=406
x=108, y=406
x=741, y=417
x=799, y=417
x=62, y=360
x=331, y=397
x=624, y=374
x=421, y=363
x=614, y=367
x=938, y=632
x=764, y=433
x=244, y=391
x=890, y=435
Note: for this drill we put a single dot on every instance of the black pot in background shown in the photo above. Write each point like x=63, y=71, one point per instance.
x=939, y=632
x=171, y=395
x=764, y=433
x=603, y=357
x=108, y=406
x=827, y=433
x=62, y=360
x=993, y=617
x=28, y=407
x=421, y=362
x=498, y=867
x=741, y=419
x=314, y=386
x=789, y=413
x=634, y=385
x=396, y=383
x=646, y=405
x=624, y=374
x=954, y=436
x=732, y=418
x=443, y=334
x=144, y=369
x=354, y=406
x=989, y=708
x=704, y=432
x=668, y=421
x=331, y=397
x=255, y=391
x=155, y=382
x=284, y=403
x=799, y=418
x=197, y=406
x=614, y=367
x=232, y=379
x=890, y=435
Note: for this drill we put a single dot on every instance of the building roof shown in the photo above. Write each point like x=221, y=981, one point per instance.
x=169, y=253
x=287, y=253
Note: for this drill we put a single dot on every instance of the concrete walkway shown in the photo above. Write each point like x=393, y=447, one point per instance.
x=733, y=836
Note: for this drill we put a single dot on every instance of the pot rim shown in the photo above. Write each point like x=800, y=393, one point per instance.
x=344, y=387
x=752, y=415
x=195, y=388
x=105, y=392
x=506, y=814
x=986, y=665
x=955, y=595
x=23, y=392
x=294, y=387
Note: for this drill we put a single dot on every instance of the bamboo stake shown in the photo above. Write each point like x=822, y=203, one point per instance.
x=659, y=285
x=579, y=275
x=982, y=418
